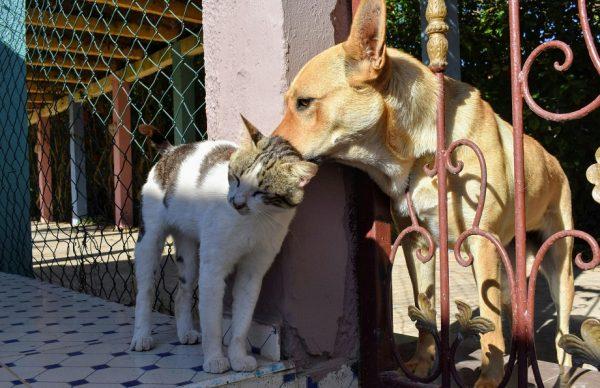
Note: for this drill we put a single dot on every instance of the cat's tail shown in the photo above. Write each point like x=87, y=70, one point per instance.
x=158, y=140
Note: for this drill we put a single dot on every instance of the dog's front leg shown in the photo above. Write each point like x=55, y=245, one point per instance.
x=422, y=277
x=486, y=267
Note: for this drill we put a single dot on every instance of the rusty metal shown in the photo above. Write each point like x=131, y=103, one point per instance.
x=523, y=291
x=414, y=228
x=520, y=323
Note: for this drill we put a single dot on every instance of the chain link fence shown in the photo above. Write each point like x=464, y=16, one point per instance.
x=87, y=74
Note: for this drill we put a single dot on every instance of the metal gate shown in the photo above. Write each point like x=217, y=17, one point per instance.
x=522, y=284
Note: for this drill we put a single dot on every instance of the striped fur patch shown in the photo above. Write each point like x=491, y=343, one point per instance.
x=218, y=154
x=167, y=168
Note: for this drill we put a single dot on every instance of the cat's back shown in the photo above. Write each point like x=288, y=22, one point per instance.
x=182, y=172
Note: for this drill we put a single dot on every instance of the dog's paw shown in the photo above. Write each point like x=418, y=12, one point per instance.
x=244, y=363
x=420, y=364
x=486, y=382
x=216, y=364
x=141, y=342
x=189, y=338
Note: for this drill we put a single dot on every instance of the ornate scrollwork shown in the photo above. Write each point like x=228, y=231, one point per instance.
x=470, y=326
x=414, y=228
x=479, y=325
x=539, y=257
x=424, y=318
x=568, y=54
x=593, y=176
x=437, y=43
x=587, y=347
x=424, y=315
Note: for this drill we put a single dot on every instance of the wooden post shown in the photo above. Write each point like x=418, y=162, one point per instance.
x=185, y=99
x=77, y=153
x=44, y=169
x=122, y=160
x=15, y=201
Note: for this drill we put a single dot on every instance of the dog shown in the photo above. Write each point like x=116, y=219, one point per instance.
x=373, y=108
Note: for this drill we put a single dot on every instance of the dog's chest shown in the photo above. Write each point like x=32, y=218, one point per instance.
x=424, y=194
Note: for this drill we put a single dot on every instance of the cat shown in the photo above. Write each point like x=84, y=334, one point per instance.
x=227, y=208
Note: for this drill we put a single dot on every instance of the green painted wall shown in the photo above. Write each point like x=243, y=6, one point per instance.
x=15, y=227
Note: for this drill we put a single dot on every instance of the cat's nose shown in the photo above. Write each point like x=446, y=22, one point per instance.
x=237, y=205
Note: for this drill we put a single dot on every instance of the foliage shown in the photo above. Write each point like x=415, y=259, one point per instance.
x=484, y=50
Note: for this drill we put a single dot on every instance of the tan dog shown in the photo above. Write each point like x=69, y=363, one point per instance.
x=373, y=107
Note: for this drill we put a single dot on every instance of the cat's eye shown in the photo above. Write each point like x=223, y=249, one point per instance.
x=257, y=193
x=237, y=180
x=303, y=103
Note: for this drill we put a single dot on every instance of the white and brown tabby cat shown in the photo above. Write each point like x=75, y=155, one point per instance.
x=227, y=209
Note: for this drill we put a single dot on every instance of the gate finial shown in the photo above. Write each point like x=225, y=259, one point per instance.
x=437, y=44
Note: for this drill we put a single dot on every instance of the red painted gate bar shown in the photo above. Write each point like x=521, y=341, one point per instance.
x=44, y=169
x=122, y=160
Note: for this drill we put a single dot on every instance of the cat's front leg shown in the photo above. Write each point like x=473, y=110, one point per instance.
x=246, y=290
x=211, y=289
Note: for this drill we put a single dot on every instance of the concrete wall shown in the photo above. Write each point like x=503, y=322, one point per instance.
x=15, y=228
x=252, y=51
x=245, y=63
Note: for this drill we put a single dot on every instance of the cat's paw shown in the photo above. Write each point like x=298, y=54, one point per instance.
x=216, y=364
x=189, y=338
x=243, y=364
x=141, y=342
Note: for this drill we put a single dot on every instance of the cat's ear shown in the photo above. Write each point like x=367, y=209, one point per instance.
x=254, y=134
x=305, y=171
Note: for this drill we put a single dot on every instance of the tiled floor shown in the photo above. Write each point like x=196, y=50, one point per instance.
x=54, y=337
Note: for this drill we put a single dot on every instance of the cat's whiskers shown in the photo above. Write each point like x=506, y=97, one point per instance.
x=270, y=217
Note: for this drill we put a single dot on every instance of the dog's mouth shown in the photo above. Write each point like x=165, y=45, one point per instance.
x=318, y=160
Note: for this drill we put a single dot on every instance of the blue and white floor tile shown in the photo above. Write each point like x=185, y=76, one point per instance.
x=54, y=337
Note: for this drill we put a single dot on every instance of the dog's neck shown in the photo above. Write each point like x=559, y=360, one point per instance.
x=389, y=170
x=405, y=134
x=410, y=99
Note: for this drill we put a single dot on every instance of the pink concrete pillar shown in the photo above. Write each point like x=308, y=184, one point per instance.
x=122, y=160
x=44, y=169
x=253, y=50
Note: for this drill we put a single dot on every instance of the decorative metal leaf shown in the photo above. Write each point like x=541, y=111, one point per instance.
x=424, y=315
x=593, y=176
x=587, y=348
x=471, y=326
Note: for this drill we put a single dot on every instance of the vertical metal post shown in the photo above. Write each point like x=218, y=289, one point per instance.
x=15, y=223
x=77, y=153
x=437, y=50
x=122, y=160
x=520, y=326
x=185, y=100
x=44, y=168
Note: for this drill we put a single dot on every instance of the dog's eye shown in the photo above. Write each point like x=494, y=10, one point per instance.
x=303, y=103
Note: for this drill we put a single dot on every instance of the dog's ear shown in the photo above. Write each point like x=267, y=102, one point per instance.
x=366, y=43
x=253, y=132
